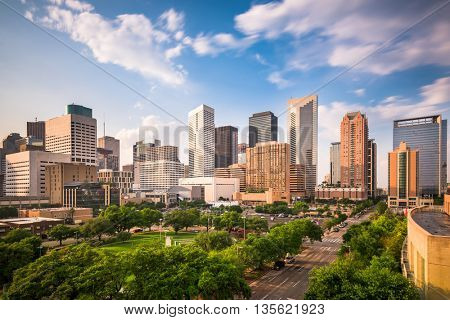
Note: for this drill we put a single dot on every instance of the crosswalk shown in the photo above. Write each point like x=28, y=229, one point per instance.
x=332, y=240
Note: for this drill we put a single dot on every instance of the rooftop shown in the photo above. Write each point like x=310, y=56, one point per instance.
x=436, y=223
x=27, y=220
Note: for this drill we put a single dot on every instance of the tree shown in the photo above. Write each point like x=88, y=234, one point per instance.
x=8, y=212
x=206, y=220
x=179, y=219
x=60, y=232
x=301, y=206
x=218, y=240
x=381, y=207
x=16, y=235
x=150, y=217
x=98, y=227
x=17, y=253
x=256, y=251
x=257, y=224
x=228, y=221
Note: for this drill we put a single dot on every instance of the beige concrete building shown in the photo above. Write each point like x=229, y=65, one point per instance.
x=268, y=167
x=25, y=172
x=160, y=175
x=403, y=177
x=213, y=189
x=120, y=180
x=355, y=193
x=234, y=171
x=258, y=198
x=74, y=133
x=353, y=150
x=58, y=175
x=78, y=215
x=427, y=261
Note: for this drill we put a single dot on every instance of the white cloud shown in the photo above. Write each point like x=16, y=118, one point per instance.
x=436, y=93
x=276, y=78
x=174, y=52
x=130, y=40
x=29, y=15
x=215, y=44
x=349, y=30
x=173, y=20
x=360, y=92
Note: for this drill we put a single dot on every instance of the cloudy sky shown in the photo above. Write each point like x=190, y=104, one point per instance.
x=236, y=56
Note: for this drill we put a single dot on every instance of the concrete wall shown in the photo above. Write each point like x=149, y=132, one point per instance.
x=429, y=260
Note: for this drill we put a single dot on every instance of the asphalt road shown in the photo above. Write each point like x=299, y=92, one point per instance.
x=291, y=282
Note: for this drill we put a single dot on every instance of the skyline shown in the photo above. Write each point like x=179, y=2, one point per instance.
x=234, y=62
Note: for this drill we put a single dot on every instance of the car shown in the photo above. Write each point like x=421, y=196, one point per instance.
x=278, y=265
x=289, y=259
x=335, y=229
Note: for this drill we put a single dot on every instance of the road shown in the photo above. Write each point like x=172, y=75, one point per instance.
x=291, y=282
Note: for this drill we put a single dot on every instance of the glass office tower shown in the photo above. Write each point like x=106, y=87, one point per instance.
x=429, y=136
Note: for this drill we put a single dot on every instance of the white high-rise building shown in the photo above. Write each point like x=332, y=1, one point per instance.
x=335, y=163
x=201, y=142
x=74, y=133
x=160, y=175
x=302, y=137
x=25, y=172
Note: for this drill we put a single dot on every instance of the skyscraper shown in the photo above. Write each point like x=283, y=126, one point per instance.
x=354, y=144
x=428, y=135
x=226, y=146
x=242, y=147
x=108, y=153
x=268, y=167
x=302, y=133
x=153, y=163
x=36, y=130
x=335, y=163
x=74, y=133
x=263, y=127
x=201, y=142
x=371, y=168
x=403, y=177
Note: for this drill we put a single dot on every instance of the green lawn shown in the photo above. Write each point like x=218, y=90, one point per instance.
x=149, y=237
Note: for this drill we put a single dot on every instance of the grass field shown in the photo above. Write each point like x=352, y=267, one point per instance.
x=148, y=237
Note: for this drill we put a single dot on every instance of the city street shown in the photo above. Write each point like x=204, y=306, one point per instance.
x=291, y=282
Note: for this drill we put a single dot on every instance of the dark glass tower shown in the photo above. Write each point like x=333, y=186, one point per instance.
x=263, y=127
x=428, y=135
x=226, y=146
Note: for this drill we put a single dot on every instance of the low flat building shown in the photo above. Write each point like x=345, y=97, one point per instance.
x=77, y=215
x=257, y=198
x=428, y=247
x=89, y=195
x=331, y=193
x=36, y=226
x=213, y=188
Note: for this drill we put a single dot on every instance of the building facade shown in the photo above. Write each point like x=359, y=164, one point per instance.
x=403, y=177
x=302, y=137
x=335, y=163
x=226, y=142
x=160, y=175
x=25, y=172
x=213, y=189
x=201, y=142
x=297, y=183
x=268, y=167
x=371, y=168
x=234, y=171
x=36, y=130
x=242, y=147
x=108, y=153
x=353, y=153
x=337, y=193
x=263, y=127
x=74, y=133
x=428, y=135
x=59, y=174
x=119, y=180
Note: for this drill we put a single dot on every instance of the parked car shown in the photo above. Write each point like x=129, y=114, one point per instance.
x=278, y=265
x=289, y=259
x=335, y=229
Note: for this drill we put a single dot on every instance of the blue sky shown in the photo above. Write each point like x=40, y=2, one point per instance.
x=239, y=57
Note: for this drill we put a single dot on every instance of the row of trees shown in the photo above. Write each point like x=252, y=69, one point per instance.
x=368, y=266
x=149, y=272
x=8, y=212
x=259, y=250
x=275, y=208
